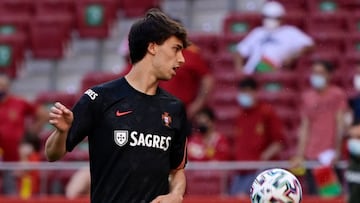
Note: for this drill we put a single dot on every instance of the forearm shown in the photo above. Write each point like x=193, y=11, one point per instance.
x=206, y=86
x=271, y=151
x=55, y=146
x=238, y=62
x=178, y=182
x=303, y=134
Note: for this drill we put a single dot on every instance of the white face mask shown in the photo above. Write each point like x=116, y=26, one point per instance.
x=245, y=100
x=271, y=23
x=356, y=82
x=354, y=146
x=317, y=81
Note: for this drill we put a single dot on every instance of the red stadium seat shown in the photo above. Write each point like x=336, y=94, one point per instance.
x=325, y=6
x=325, y=42
x=208, y=44
x=11, y=53
x=352, y=43
x=50, y=97
x=353, y=22
x=325, y=22
x=49, y=35
x=94, y=18
x=285, y=98
x=287, y=79
x=65, y=7
x=138, y=8
x=295, y=19
x=228, y=43
x=15, y=23
x=294, y=5
x=241, y=23
x=94, y=78
x=24, y=7
x=205, y=182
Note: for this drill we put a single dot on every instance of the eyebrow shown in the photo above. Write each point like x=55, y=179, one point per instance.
x=179, y=46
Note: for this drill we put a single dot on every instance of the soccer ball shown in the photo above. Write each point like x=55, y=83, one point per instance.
x=276, y=186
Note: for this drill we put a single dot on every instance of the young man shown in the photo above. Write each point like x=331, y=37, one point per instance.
x=322, y=121
x=261, y=127
x=136, y=131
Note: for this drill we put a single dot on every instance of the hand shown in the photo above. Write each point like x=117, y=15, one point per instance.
x=60, y=117
x=169, y=198
x=194, y=108
x=296, y=162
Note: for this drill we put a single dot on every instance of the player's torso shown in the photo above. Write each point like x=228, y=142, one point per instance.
x=132, y=144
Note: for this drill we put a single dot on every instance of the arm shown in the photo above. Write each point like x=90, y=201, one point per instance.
x=177, y=188
x=40, y=118
x=273, y=149
x=61, y=118
x=303, y=134
x=238, y=62
x=206, y=86
x=340, y=124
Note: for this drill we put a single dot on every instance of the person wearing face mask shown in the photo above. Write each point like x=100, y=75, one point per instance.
x=352, y=174
x=322, y=122
x=271, y=46
x=206, y=143
x=14, y=112
x=259, y=134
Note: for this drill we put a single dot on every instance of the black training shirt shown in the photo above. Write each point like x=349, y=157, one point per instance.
x=134, y=141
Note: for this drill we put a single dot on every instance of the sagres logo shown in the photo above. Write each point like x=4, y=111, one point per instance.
x=121, y=137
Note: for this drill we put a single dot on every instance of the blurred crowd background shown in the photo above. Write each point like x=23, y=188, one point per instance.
x=264, y=82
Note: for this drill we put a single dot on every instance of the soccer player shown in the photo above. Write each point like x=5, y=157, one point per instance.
x=136, y=131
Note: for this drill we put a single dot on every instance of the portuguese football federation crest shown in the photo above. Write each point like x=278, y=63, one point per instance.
x=121, y=137
x=166, y=118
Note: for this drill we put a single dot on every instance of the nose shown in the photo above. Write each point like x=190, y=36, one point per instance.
x=180, y=58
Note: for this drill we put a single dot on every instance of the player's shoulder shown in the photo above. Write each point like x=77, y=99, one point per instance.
x=169, y=98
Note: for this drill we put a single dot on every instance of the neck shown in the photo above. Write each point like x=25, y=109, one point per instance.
x=141, y=79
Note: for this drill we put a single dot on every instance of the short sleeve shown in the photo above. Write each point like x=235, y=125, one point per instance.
x=301, y=40
x=84, y=119
x=178, y=154
x=245, y=47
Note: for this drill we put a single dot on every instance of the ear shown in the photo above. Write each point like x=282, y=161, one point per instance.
x=152, y=48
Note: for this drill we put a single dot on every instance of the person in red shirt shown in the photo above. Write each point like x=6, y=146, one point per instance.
x=322, y=122
x=14, y=114
x=207, y=144
x=259, y=134
x=29, y=180
x=193, y=81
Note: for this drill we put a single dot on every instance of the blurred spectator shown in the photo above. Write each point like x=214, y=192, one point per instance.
x=354, y=101
x=193, y=81
x=273, y=45
x=29, y=180
x=258, y=136
x=352, y=174
x=322, y=122
x=15, y=113
x=79, y=184
x=207, y=144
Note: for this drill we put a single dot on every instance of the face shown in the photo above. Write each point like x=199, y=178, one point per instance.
x=246, y=97
x=319, y=77
x=167, y=58
x=203, y=122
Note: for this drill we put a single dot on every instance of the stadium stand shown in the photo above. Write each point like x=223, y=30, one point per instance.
x=11, y=53
x=94, y=18
x=30, y=24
